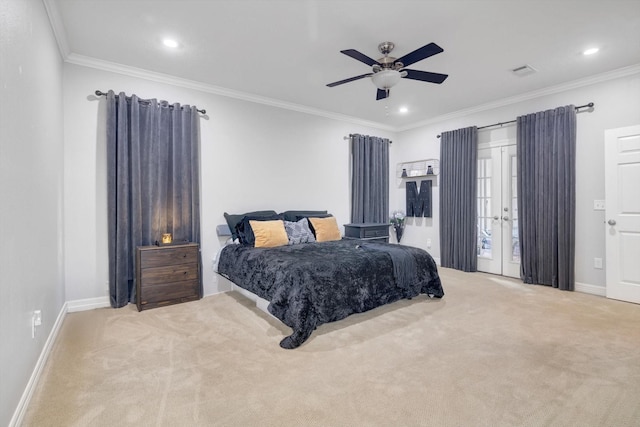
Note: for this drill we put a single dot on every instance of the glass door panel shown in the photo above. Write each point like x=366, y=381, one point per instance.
x=484, y=208
x=498, y=246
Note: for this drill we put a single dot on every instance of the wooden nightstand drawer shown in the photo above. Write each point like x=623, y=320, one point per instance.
x=170, y=273
x=169, y=293
x=167, y=275
x=169, y=256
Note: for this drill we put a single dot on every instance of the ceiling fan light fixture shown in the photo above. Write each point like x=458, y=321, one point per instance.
x=387, y=71
x=386, y=79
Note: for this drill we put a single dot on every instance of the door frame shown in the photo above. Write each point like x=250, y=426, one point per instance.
x=502, y=222
x=622, y=229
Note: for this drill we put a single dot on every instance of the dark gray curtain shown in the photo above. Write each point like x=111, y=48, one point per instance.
x=547, y=196
x=153, y=182
x=458, y=193
x=370, y=179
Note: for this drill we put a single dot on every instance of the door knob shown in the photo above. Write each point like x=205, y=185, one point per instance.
x=611, y=222
x=505, y=218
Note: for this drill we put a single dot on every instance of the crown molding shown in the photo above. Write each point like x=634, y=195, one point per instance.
x=113, y=67
x=587, y=81
x=57, y=26
x=60, y=35
x=140, y=73
x=72, y=58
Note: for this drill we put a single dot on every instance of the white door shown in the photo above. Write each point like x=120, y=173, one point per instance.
x=622, y=186
x=498, y=244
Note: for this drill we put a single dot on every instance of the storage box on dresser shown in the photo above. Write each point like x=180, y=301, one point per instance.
x=367, y=231
x=167, y=275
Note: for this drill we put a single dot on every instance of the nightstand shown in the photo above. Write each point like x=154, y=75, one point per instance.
x=167, y=275
x=367, y=231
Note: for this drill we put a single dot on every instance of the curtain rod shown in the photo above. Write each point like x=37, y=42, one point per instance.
x=589, y=105
x=100, y=93
x=350, y=135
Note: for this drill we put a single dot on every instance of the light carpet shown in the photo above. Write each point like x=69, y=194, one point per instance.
x=492, y=352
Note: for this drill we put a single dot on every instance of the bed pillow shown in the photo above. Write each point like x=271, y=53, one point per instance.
x=315, y=215
x=326, y=229
x=269, y=234
x=296, y=215
x=244, y=230
x=234, y=219
x=299, y=232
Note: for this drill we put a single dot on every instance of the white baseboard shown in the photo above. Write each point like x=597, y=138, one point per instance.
x=87, y=304
x=590, y=289
x=23, y=404
x=67, y=307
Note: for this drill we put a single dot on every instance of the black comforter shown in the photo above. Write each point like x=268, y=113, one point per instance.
x=314, y=283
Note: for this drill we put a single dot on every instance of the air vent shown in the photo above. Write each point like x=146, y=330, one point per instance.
x=525, y=70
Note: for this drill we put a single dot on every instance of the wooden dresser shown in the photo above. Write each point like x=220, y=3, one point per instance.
x=167, y=275
x=367, y=231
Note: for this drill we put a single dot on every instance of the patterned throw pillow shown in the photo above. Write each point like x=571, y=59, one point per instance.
x=299, y=232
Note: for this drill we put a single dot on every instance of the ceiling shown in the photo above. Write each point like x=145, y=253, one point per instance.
x=285, y=51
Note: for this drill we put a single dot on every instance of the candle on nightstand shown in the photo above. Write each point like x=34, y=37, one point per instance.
x=166, y=238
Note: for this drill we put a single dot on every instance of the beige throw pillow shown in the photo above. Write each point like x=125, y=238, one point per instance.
x=269, y=234
x=326, y=229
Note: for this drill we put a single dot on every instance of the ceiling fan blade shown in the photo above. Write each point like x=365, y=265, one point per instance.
x=382, y=94
x=349, y=80
x=420, y=54
x=359, y=56
x=425, y=76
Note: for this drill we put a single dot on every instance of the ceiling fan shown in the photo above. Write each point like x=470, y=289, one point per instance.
x=387, y=71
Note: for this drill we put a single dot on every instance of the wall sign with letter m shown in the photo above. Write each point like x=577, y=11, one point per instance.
x=419, y=204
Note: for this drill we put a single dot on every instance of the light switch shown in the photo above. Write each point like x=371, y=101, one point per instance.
x=598, y=205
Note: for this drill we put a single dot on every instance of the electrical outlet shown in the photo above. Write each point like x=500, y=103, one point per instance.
x=428, y=243
x=37, y=318
x=597, y=263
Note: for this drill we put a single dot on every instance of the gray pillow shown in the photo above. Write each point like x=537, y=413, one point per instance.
x=299, y=231
x=296, y=215
x=234, y=219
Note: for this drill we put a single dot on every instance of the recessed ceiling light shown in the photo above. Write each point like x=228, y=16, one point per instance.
x=170, y=43
x=403, y=110
x=590, y=51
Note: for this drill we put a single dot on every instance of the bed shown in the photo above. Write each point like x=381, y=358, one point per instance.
x=315, y=282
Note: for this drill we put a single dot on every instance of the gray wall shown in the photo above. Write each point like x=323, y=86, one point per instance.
x=253, y=157
x=31, y=192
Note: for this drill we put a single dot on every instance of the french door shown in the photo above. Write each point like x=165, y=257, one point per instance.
x=498, y=245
